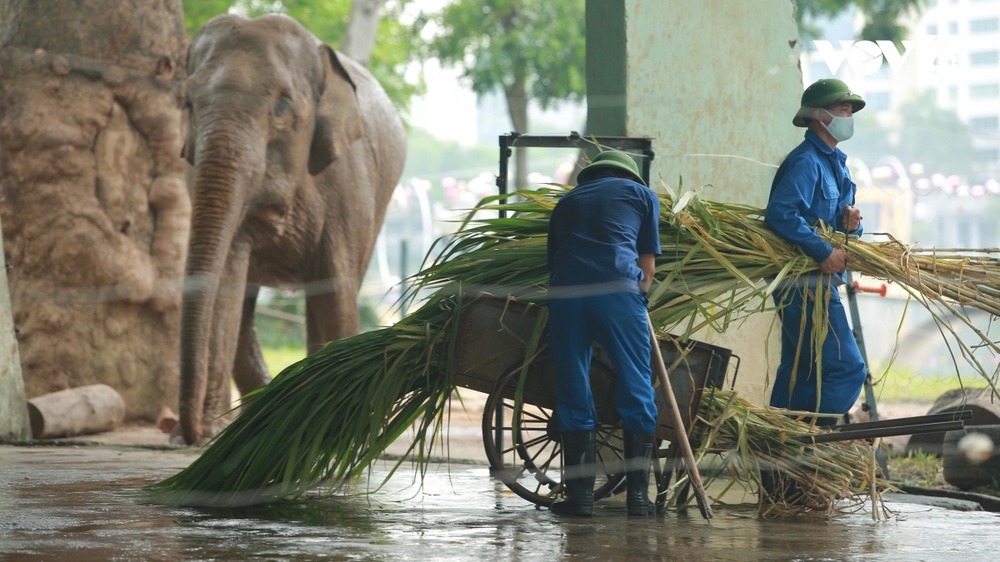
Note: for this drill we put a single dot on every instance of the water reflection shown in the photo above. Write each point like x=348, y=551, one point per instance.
x=93, y=511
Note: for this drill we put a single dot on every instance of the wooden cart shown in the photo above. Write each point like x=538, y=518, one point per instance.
x=503, y=348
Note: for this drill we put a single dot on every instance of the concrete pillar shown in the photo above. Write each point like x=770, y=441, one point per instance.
x=715, y=83
x=14, y=425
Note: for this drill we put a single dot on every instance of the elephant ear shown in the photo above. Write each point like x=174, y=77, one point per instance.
x=338, y=115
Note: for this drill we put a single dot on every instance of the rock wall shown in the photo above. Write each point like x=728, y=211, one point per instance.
x=97, y=212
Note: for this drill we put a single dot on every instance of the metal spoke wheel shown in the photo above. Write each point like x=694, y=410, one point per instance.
x=522, y=442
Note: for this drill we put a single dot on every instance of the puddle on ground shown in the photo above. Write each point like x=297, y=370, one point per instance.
x=86, y=504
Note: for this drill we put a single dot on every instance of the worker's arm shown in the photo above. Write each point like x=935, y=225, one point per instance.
x=647, y=263
x=648, y=243
x=836, y=262
x=789, y=210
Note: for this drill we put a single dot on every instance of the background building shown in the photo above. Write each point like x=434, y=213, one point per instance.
x=926, y=156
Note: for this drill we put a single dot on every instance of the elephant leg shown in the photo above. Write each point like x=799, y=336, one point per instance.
x=226, y=318
x=249, y=370
x=331, y=311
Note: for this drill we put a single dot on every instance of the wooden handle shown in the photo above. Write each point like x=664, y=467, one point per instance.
x=675, y=413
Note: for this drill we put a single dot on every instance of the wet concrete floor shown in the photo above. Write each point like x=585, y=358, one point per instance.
x=84, y=503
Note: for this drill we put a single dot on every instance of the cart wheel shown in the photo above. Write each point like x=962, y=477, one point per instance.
x=529, y=460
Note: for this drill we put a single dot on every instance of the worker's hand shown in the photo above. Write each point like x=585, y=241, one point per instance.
x=852, y=218
x=836, y=262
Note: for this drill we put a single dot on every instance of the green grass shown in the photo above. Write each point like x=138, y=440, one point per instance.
x=917, y=469
x=927, y=471
x=989, y=490
x=277, y=358
x=901, y=385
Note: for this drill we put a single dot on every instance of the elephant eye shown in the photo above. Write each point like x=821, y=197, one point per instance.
x=283, y=107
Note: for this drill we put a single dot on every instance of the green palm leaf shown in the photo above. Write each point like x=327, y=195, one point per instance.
x=325, y=419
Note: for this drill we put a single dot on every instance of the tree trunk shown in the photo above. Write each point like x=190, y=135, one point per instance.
x=97, y=210
x=14, y=425
x=359, y=38
x=517, y=106
x=94, y=408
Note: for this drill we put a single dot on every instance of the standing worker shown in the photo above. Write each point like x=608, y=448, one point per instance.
x=813, y=185
x=602, y=244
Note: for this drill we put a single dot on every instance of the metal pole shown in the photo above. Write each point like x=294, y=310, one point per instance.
x=505, y=153
x=960, y=415
x=847, y=435
x=869, y=404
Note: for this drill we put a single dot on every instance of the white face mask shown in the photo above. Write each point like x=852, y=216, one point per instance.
x=841, y=128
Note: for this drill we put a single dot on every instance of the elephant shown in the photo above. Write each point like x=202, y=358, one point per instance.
x=295, y=152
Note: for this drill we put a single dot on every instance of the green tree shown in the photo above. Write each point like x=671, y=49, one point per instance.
x=397, y=44
x=936, y=138
x=528, y=49
x=924, y=133
x=881, y=16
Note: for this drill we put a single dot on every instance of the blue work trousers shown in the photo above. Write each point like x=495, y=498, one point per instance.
x=843, y=369
x=618, y=322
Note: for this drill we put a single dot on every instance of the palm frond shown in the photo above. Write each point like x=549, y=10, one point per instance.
x=328, y=417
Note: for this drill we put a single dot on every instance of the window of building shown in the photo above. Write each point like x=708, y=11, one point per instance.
x=877, y=101
x=953, y=28
x=952, y=93
x=987, y=25
x=984, y=58
x=985, y=123
x=984, y=91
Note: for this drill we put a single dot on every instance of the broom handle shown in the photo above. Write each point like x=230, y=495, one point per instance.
x=675, y=413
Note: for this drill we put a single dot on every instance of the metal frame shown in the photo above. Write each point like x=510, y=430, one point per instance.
x=642, y=145
x=869, y=404
x=636, y=146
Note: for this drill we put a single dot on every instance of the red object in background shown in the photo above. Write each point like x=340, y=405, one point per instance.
x=880, y=290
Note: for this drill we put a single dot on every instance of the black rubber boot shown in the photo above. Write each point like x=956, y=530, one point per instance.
x=638, y=460
x=579, y=474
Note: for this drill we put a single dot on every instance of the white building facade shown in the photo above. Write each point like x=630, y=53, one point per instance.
x=951, y=55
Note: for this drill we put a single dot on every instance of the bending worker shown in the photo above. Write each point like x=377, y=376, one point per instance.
x=811, y=186
x=602, y=243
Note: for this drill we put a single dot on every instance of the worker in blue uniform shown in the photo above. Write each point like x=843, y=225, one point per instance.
x=602, y=243
x=813, y=186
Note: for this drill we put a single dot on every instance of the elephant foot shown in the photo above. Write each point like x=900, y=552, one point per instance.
x=167, y=420
x=209, y=430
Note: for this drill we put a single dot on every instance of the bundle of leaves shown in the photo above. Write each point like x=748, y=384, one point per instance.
x=769, y=451
x=325, y=419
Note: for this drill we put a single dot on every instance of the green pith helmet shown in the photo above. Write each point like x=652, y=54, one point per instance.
x=610, y=159
x=822, y=93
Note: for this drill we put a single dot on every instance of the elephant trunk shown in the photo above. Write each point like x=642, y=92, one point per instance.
x=217, y=210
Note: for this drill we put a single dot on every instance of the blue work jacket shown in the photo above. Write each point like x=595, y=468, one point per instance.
x=598, y=230
x=811, y=185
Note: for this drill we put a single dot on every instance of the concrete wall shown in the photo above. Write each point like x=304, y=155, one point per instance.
x=14, y=425
x=715, y=83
